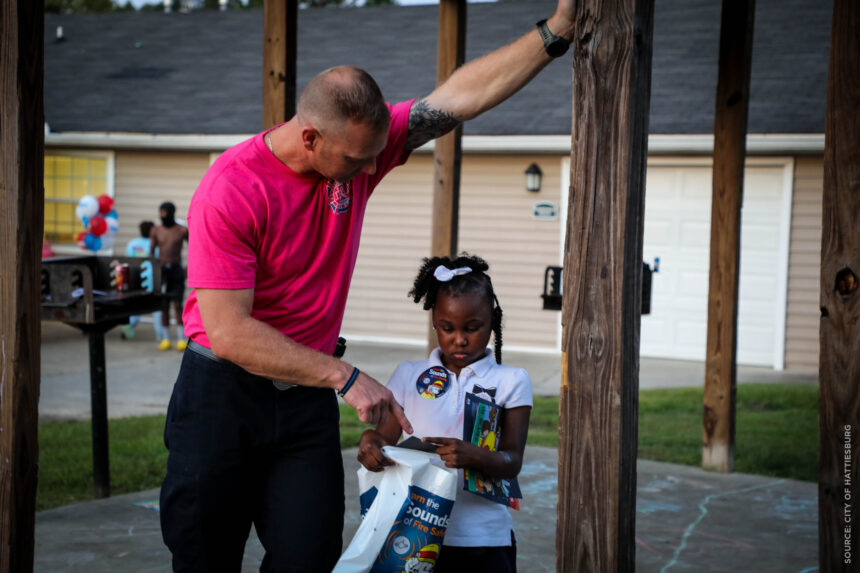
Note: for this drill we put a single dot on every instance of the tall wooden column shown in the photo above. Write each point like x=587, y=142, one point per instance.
x=451, y=53
x=839, y=361
x=602, y=286
x=279, y=61
x=22, y=197
x=730, y=130
x=447, y=155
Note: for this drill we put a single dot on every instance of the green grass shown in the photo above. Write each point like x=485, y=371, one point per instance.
x=776, y=435
x=138, y=459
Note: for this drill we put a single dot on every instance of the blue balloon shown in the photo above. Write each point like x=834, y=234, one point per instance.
x=112, y=214
x=86, y=221
x=92, y=242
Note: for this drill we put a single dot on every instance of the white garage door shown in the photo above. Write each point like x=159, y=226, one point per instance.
x=677, y=230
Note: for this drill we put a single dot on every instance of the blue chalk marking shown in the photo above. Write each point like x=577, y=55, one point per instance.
x=809, y=569
x=703, y=512
x=646, y=507
x=151, y=504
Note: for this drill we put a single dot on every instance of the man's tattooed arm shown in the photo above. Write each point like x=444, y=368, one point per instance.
x=426, y=123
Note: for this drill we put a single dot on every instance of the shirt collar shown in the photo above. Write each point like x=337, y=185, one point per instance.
x=480, y=368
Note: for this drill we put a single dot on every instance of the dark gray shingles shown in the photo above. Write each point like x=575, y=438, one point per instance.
x=200, y=73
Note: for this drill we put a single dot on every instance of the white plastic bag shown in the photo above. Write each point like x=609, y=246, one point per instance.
x=405, y=511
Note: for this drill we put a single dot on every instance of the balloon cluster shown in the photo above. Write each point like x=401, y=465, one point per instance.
x=100, y=219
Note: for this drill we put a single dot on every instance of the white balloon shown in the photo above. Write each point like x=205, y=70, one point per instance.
x=112, y=226
x=87, y=207
x=108, y=241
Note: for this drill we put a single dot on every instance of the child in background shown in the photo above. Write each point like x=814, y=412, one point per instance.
x=139, y=247
x=465, y=311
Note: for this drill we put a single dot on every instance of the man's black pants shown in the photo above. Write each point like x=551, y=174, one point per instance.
x=243, y=452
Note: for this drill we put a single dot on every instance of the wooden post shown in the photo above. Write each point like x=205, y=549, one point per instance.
x=730, y=130
x=279, y=61
x=602, y=286
x=22, y=197
x=447, y=155
x=839, y=362
x=451, y=53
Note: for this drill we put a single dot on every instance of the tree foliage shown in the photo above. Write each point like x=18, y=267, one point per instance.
x=79, y=6
x=93, y=6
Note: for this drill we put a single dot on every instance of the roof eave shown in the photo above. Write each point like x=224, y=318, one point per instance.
x=758, y=144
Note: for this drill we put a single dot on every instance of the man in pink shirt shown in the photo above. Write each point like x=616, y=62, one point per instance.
x=252, y=426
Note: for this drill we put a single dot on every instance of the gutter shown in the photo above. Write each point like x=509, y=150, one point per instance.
x=757, y=144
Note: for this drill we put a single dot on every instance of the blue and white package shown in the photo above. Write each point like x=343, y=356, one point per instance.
x=405, y=510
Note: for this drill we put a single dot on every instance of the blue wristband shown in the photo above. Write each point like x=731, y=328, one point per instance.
x=349, y=383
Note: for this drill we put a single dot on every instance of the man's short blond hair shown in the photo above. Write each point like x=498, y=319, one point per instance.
x=341, y=94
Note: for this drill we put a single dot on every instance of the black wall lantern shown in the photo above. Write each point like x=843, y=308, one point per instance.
x=533, y=178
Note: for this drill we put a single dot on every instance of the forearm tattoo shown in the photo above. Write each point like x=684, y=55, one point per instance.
x=426, y=123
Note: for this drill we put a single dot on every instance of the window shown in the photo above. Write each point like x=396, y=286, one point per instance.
x=68, y=177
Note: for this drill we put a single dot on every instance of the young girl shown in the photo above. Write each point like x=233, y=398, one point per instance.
x=465, y=311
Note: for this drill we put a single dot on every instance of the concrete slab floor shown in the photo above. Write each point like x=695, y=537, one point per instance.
x=686, y=520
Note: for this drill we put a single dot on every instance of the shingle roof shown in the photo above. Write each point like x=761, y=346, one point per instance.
x=200, y=73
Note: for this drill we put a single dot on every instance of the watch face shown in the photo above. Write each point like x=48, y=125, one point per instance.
x=557, y=48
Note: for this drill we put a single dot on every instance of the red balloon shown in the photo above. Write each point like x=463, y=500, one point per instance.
x=105, y=204
x=98, y=225
x=80, y=237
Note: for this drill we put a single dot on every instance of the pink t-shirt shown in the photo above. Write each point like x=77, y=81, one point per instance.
x=254, y=223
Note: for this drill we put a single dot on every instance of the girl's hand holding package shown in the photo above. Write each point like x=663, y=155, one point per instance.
x=370, y=451
x=459, y=454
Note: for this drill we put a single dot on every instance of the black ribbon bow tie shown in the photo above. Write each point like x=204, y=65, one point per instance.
x=491, y=392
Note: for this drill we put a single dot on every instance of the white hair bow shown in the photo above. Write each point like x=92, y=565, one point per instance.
x=444, y=274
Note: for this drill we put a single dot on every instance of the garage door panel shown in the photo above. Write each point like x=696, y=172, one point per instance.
x=677, y=326
x=661, y=232
x=764, y=237
x=695, y=234
x=691, y=335
x=663, y=183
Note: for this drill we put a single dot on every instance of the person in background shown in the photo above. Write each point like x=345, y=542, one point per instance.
x=139, y=247
x=47, y=251
x=166, y=243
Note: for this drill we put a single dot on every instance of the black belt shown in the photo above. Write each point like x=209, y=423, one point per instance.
x=207, y=353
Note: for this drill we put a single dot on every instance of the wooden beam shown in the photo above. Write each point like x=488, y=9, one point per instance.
x=22, y=140
x=451, y=53
x=839, y=362
x=279, y=61
x=447, y=155
x=602, y=286
x=730, y=130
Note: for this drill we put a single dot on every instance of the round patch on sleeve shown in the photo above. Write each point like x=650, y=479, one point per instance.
x=433, y=382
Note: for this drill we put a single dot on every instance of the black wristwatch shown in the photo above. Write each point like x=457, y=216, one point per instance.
x=554, y=45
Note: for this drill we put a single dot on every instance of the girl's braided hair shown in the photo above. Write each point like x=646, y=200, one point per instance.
x=426, y=286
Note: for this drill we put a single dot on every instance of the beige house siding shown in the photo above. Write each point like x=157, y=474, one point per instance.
x=144, y=180
x=394, y=238
x=804, y=266
x=495, y=223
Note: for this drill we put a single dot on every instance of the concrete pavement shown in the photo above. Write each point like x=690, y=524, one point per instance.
x=686, y=519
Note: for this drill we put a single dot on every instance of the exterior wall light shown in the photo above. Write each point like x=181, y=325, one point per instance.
x=533, y=178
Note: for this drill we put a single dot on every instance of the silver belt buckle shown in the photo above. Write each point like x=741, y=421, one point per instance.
x=283, y=385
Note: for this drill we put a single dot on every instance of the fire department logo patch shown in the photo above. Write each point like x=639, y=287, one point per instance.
x=339, y=196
